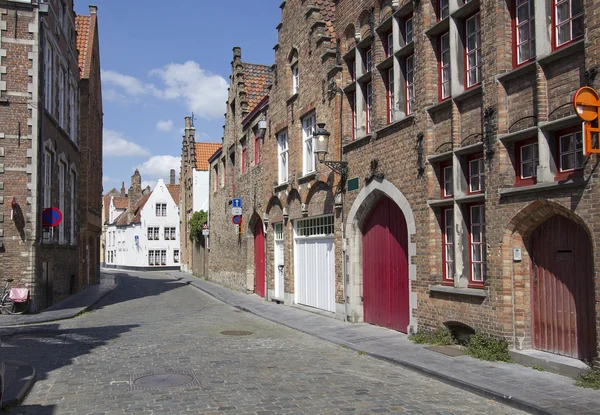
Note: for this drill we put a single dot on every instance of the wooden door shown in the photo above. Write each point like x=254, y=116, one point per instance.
x=385, y=267
x=259, y=259
x=562, y=289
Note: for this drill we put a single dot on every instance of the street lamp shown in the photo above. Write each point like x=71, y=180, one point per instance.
x=321, y=144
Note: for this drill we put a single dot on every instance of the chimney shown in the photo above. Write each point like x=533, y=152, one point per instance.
x=135, y=193
x=123, y=194
x=93, y=9
x=172, y=177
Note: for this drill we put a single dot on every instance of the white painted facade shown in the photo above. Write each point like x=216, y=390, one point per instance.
x=201, y=190
x=135, y=244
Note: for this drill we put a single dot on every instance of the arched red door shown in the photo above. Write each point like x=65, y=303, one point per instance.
x=385, y=267
x=562, y=289
x=259, y=259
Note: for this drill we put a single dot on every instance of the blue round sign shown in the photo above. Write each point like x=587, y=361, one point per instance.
x=236, y=220
x=51, y=217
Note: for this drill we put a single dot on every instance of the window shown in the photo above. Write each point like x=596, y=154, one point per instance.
x=352, y=70
x=410, y=85
x=161, y=209
x=278, y=231
x=527, y=161
x=447, y=180
x=163, y=257
x=448, y=246
x=224, y=175
x=176, y=256
x=473, y=50
x=476, y=174
x=568, y=21
x=524, y=31
x=256, y=148
x=244, y=155
x=216, y=168
x=477, y=243
x=389, y=44
x=295, y=79
x=570, y=151
x=282, y=149
x=444, y=65
x=369, y=105
x=47, y=179
x=170, y=234
x=390, y=95
x=408, y=30
x=150, y=257
x=62, y=177
x=315, y=226
x=72, y=113
x=308, y=155
x=49, y=52
x=368, y=59
x=443, y=9
x=153, y=233
x=61, y=96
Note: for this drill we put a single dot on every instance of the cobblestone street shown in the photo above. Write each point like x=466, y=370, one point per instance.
x=153, y=324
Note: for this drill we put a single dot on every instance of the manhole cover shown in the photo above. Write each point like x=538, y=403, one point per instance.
x=236, y=333
x=152, y=380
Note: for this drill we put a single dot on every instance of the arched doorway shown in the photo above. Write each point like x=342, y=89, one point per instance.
x=562, y=289
x=385, y=267
x=259, y=258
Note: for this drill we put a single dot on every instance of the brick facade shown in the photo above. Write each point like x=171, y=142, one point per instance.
x=451, y=154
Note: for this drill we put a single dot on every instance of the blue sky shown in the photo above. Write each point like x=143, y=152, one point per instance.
x=162, y=60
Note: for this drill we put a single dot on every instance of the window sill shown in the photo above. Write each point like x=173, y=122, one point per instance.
x=406, y=50
x=292, y=98
x=349, y=56
x=307, y=177
x=468, y=292
x=385, y=26
x=466, y=9
x=472, y=91
x=386, y=64
x=544, y=186
x=471, y=198
x=350, y=87
x=366, y=77
x=438, y=158
x=357, y=143
x=440, y=202
x=569, y=121
x=404, y=10
x=440, y=105
x=517, y=72
x=438, y=28
x=470, y=149
x=365, y=43
x=404, y=119
x=518, y=135
x=577, y=46
x=280, y=187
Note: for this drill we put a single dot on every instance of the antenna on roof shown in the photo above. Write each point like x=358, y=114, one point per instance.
x=192, y=120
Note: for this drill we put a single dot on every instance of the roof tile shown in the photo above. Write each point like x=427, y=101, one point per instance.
x=257, y=79
x=328, y=13
x=82, y=26
x=203, y=153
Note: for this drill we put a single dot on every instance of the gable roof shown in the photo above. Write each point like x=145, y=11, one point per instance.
x=328, y=13
x=85, y=26
x=174, y=190
x=257, y=79
x=203, y=153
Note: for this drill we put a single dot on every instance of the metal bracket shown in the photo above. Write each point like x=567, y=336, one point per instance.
x=341, y=168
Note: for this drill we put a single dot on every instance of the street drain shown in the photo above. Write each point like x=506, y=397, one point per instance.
x=236, y=333
x=152, y=380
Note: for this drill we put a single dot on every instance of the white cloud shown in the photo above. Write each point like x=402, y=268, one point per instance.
x=106, y=179
x=115, y=144
x=163, y=125
x=160, y=167
x=150, y=183
x=203, y=93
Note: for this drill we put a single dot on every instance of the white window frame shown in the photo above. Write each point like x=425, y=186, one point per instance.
x=445, y=73
x=369, y=106
x=525, y=21
x=163, y=257
x=62, y=177
x=308, y=154
x=410, y=83
x=449, y=243
x=368, y=59
x=176, y=256
x=161, y=210
x=315, y=227
x=477, y=231
x=448, y=179
x=444, y=9
x=567, y=22
x=390, y=44
x=283, y=149
x=473, y=51
x=295, y=79
x=478, y=173
x=576, y=148
x=409, y=34
x=391, y=98
x=533, y=160
x=151, y=257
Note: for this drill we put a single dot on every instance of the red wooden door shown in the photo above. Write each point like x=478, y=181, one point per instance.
x=259, y=259
x=562, y=289
x=385, y=267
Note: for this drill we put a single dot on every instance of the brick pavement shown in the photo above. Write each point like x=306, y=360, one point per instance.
x=155, y=323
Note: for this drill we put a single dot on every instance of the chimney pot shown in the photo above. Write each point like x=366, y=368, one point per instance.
x=172, y=177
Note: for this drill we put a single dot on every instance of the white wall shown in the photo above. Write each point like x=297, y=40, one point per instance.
x=201, y=190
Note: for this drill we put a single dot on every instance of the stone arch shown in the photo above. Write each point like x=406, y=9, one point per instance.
x=516, y=275
x=274, y=209
x=327, y=205
x=363, y=24
x=349, y=38
x=292, y=56
x=385, y=9
x=361, y=208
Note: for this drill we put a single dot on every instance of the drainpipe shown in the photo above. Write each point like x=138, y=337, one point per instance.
x=344, y=265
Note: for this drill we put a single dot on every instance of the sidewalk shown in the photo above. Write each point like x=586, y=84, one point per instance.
x=512, y=384
x=19, y=376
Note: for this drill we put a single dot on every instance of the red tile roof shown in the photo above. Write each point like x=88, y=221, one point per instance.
x=203, y=153
x=257, y=79
x=328, y=13
x=121, y=202
x=83, y=26
x=174, y=190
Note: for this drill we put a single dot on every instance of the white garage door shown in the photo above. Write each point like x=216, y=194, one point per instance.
x=314, y=259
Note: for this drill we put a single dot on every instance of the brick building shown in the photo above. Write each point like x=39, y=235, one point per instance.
x=194, y=192
x=469, y=201
x=90, y=145
x=39, y=126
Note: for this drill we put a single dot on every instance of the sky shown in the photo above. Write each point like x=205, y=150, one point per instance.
x=164, y=60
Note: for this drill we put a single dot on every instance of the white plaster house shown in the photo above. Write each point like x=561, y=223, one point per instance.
x=146, y=234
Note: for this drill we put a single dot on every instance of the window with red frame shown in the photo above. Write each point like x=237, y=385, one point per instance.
x=389, y=44
x=523, y=31
x=256, y=149
x=410, y=83
x=527, y=158
x=477, y=244
x=443, y=9
x=476, y=174
x=446, y=180
x=352, y=102
x=448, y=246
x=369, y=102
x=444, y=65
x=570, y=152
x=409, y=34
x=352, y=70
x=244, y=156
x=473, y=50
x=567, y=21
x=390, y=95
x=368, y=59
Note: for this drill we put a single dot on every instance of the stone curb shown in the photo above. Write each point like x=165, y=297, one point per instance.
x=27, y=384
x=516, y=403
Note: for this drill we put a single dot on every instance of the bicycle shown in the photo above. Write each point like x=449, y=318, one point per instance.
x=14, y=300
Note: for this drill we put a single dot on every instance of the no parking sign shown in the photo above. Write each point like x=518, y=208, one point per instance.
x=51, y=217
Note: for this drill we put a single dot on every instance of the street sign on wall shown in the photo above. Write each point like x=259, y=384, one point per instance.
x=51, y=217
x=236, y=202
x=235, y=211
